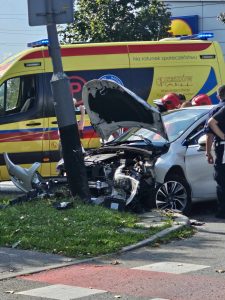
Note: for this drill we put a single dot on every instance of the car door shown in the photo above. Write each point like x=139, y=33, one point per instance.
x=199, y=172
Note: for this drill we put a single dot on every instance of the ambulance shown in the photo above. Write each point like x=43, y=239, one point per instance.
x=28, y=125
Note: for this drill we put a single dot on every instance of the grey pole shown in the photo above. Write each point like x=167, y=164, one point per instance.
x=64, y=108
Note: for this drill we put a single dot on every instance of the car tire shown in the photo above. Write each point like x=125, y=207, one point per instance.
x=174, y=194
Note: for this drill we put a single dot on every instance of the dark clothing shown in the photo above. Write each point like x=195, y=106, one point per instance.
x=219, y=175
x=212, y=112
x=219, y=116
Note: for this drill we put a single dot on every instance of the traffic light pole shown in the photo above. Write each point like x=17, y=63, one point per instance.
x=64, y=108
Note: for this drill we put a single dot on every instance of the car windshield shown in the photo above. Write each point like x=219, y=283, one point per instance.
x=176, y=123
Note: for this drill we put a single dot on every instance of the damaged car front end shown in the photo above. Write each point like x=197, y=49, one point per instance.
x=121, y=172
x=121, y=176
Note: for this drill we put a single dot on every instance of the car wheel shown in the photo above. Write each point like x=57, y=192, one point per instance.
x=174, y=193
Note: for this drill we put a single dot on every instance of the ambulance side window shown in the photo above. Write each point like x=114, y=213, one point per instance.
x=17, y=95
x=13, y=86
x=2, y=92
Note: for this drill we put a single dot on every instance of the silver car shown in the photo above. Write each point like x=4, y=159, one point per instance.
x=159, y=161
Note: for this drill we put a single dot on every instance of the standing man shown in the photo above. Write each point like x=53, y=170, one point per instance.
x=215, y=131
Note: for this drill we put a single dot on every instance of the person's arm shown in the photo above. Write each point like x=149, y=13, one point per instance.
x=213, y=124
x=209, y=142
x=82, y=117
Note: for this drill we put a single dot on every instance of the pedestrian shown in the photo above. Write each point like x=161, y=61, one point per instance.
x=186, y=103
x=80, y=123
x=182, y=99
x=201, y=99
x=215, y=133
x=168, y=102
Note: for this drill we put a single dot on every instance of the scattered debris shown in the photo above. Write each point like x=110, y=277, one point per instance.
x=155, y=245
x=115, y=262
x=9, y=292
x=62, y=205
x=16, y=244
x=220, y=271
x=196, y=223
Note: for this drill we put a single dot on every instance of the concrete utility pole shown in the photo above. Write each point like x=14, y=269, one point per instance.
x=50, y=13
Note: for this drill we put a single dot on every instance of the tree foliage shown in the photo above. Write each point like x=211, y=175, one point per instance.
x=221, y=17
x=117, y=20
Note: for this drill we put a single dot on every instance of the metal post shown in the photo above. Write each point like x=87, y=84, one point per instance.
x=64, y=108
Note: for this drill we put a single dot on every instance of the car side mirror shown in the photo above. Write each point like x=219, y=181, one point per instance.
x=202, y=143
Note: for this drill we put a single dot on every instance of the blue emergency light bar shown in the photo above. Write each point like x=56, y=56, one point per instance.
x=44, y=42
x=197, y=36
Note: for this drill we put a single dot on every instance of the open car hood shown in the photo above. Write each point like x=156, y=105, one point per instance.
x=111, y=106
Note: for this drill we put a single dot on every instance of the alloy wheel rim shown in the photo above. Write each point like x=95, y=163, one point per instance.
x=171, y=195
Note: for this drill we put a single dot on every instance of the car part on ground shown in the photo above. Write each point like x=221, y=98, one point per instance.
x=31, y=183
x=24, y=179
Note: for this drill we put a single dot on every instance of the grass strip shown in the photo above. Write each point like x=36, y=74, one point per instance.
x=81, y=231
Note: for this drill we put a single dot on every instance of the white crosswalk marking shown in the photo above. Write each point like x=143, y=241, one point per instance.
x=171, y=267
x=159, y=299
x=61, y=292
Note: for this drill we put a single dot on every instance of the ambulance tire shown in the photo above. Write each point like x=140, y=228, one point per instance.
x=174, y=194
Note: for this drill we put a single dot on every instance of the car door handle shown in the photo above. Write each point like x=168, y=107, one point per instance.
x=33, y=124
x=54, y=122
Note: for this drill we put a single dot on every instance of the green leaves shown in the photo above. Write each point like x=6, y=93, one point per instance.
x=117, y=20
x=221, y=17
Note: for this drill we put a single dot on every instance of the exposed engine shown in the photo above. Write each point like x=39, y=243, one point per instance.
x=121, y=178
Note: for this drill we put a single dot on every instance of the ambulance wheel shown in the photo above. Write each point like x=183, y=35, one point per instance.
x=174, y=194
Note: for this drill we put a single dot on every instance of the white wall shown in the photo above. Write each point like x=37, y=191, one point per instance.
x=207, y=12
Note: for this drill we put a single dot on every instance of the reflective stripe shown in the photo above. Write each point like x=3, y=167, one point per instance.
x=223, y=159
x=219, y=143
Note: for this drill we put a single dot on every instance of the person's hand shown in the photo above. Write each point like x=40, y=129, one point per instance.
x=210, y=158
x=82, y=110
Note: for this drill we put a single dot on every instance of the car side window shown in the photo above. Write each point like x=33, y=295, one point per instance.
x=196, y=134
x=17, y=95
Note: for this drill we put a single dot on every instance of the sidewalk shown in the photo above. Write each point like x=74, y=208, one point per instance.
x=15, y=262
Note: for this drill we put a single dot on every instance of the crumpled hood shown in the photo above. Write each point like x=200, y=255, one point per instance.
x=111, y=106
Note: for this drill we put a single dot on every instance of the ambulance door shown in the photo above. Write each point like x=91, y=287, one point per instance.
x=21, y=122
x=51, y=143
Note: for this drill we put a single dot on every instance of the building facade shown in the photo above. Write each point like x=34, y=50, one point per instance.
x=200, y=15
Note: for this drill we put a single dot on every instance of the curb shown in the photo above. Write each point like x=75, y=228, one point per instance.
x=179, y=222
